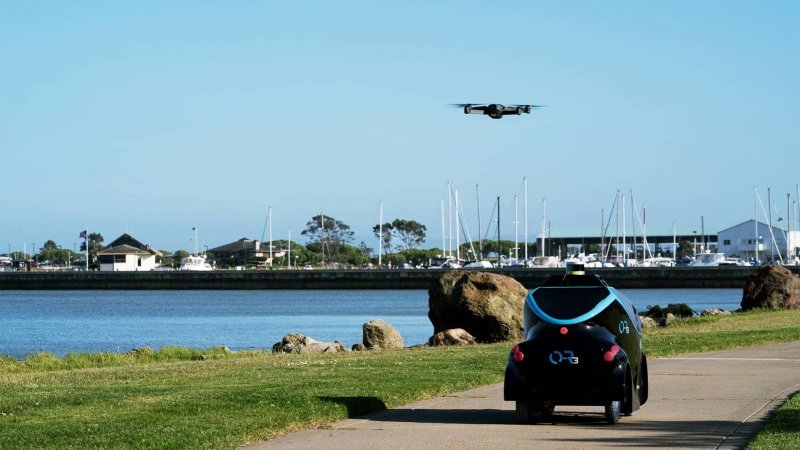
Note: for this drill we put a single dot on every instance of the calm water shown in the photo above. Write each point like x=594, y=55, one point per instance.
x=90, y=321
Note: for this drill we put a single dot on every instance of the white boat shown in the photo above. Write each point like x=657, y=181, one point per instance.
x=478, y=265
x=544, y=262
x=658, y=261
x=709, y=260
x=197, y=263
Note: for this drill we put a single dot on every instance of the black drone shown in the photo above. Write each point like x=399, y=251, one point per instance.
x=494, y=110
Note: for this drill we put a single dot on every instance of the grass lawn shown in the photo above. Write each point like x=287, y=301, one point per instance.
x=174, y=398
x=783, y=429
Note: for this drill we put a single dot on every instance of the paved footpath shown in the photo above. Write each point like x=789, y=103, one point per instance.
x=704, y=400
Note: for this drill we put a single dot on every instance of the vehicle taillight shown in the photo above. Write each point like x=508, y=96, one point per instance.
x=564, y=330
x=518, y=355
x=609, y=355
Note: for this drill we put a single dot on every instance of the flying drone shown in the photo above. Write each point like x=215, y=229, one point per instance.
x=495, y=110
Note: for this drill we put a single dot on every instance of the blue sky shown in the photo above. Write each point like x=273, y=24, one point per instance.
x=155, y=117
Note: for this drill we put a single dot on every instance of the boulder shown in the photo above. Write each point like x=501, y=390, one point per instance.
x=648, y=322
x=456, y=336
x=358, y=347
x=380, y=334
x=487, y=305
x=771, y=287
x=670, y=319
x=298, y=343
x=140, y=351
x=714, y=312
x=678, y=309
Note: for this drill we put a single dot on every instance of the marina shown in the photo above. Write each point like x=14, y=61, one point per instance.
x=62, y=322
x=625, y=278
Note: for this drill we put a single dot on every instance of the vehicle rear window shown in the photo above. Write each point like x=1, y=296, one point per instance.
x=568, y=303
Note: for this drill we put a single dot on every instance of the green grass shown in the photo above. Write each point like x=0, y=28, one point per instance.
x=708, y=333
x=783, y=429
x=182, y=398
x=223, y=402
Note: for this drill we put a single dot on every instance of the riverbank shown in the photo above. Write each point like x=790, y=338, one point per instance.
x=187, y=399
x=622, y=278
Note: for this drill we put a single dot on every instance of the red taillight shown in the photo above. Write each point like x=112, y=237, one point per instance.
x=611, y=353
x=518, y=355
x=564, y=330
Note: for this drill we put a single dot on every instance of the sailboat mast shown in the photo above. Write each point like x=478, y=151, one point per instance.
x=674, y=242
x=322, y=236
x=516, y=230
x=544, y=213
x=788, y=225
x=270, y=235
x=498, y=229
x=602, y=235
x=449, y=220
x=458, y=241
x=380, y=236
x=525, y=182
x=755, y=219
x=444, y=231
x=480, y=236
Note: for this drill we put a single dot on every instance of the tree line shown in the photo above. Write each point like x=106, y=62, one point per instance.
x=329, y=242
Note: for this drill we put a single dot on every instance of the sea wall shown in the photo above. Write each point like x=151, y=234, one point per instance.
x=623, y=278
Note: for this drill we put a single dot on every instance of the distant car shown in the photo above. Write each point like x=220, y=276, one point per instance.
x=308, y=267
x=583, y=346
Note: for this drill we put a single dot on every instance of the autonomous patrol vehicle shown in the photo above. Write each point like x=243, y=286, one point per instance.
x=583, y=346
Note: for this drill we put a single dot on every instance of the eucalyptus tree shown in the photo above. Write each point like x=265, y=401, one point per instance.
x=329, y=233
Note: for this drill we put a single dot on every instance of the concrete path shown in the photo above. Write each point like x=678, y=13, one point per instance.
x=705, y=400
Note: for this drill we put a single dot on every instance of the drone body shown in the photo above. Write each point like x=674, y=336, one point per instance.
x=495, y=110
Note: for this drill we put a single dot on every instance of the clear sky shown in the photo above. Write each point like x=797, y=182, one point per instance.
x=155, y=117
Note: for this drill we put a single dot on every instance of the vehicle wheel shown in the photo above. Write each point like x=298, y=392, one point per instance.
x=532, y=412
x=524, y=411
x=612, y=412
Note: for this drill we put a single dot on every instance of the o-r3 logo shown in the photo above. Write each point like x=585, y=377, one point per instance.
x=623, y=327
x=563, y=356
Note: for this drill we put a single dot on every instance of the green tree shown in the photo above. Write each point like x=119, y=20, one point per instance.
x=685, y=248
x=419, y=257
x=95, y=245
x=384, y=232
x=410, y=232
x=49, y=252
x=330, y=233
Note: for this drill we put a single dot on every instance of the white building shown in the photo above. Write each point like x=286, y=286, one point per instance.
x=126, y=254
x=753, y=240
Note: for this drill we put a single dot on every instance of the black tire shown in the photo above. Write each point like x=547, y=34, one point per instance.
x=524, y=413
x=613, y=412
x=528, y=412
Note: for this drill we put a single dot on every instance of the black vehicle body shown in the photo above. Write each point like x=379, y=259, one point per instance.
x=583, y=346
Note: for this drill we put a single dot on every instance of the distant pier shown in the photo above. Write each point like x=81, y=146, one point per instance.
x=623, y=278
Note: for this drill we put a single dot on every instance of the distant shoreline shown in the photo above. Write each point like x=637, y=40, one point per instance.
x=623, y=278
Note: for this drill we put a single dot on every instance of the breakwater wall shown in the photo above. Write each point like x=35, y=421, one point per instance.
x=623, y=278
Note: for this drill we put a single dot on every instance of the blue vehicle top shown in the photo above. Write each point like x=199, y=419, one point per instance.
x=575, y=298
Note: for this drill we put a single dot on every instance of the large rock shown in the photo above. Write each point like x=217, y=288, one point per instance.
x=487, y=305
x=379, y=334
x=771, y=287
x=298, y=343
x=457, y=336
